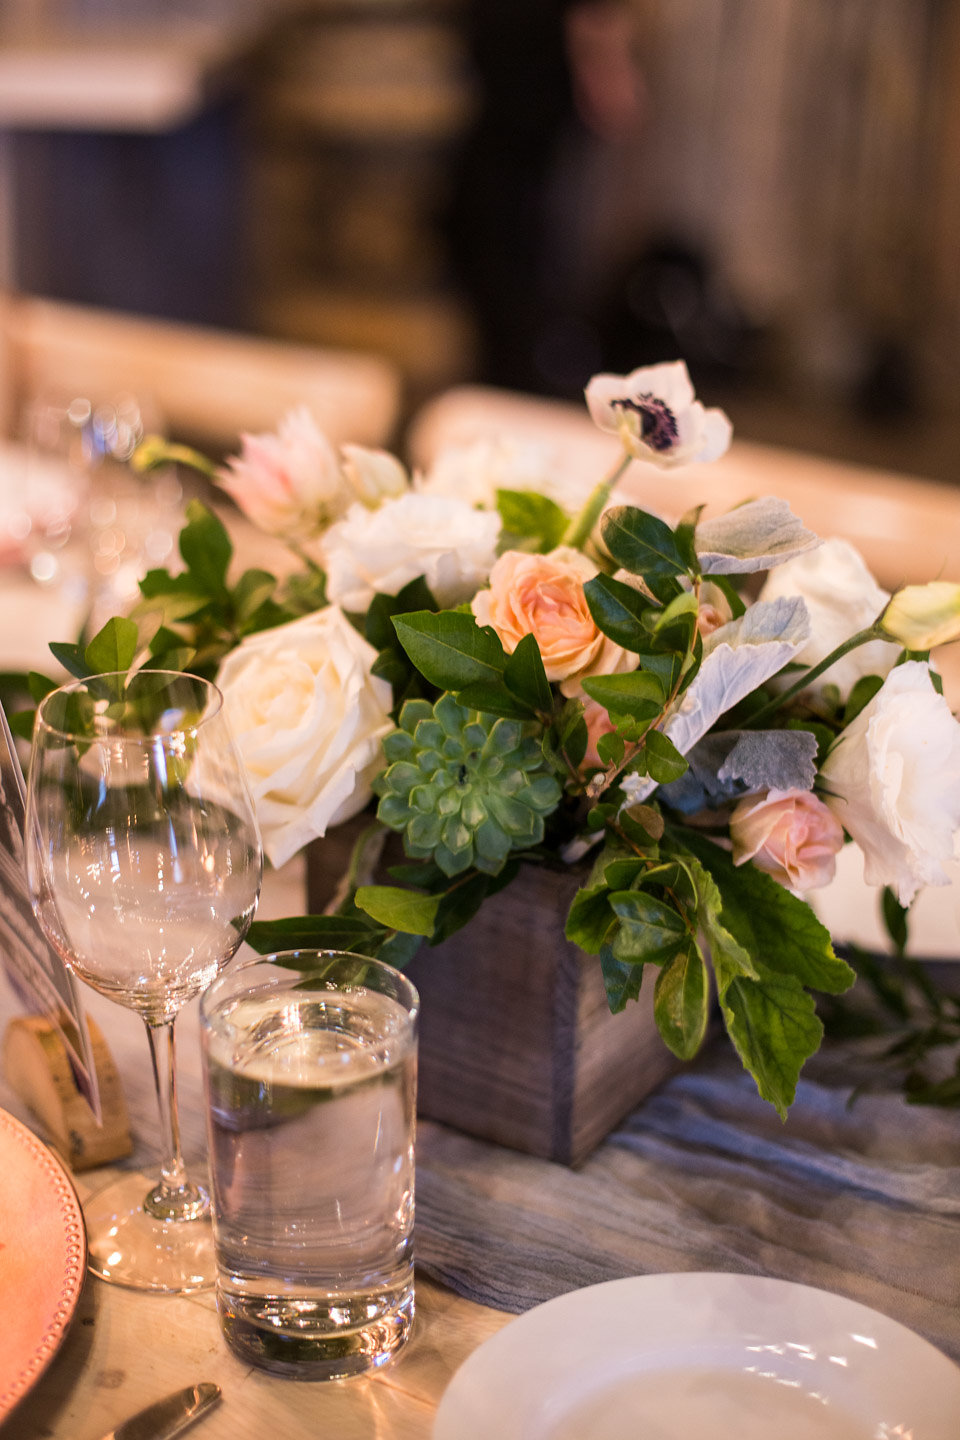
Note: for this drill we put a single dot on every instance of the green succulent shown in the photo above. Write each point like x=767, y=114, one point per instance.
x=463, y=787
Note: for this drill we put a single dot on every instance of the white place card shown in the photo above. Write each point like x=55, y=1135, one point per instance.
x=35, y=970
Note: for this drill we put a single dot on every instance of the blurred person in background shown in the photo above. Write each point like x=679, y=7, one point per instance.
x=555, y=79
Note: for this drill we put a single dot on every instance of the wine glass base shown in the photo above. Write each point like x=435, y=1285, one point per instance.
x=127, y=1246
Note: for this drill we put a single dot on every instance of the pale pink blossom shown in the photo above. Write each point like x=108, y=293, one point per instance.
x=542, y=595
x=791, y=834
x=290, y=483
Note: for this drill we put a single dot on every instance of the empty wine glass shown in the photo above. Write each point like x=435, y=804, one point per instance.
x=144, y=866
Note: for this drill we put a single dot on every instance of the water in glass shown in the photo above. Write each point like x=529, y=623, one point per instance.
x=311, y=1106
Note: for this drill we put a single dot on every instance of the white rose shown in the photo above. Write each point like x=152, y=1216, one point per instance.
x=443, y=539
x=893, y=781
x=842, y=597
x=308, y=718
x=475, y=473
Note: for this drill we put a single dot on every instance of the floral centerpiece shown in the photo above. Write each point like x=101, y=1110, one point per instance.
x=699, y=715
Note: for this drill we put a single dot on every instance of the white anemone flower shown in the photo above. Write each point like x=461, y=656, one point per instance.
x=657, y=416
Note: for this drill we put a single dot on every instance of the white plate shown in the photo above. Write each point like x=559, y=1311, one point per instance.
x=702, y=1357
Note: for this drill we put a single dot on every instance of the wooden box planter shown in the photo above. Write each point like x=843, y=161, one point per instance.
x=517, y=1044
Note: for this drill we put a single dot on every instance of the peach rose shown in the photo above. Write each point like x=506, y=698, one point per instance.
x=790, y=834
x=542, y=595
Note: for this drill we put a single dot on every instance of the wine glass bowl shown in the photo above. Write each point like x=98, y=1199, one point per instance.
x=144, y=866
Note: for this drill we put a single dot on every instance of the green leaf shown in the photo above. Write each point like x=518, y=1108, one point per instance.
x=590, y=919
x=206, y=549
x=618, y=610
x=676, y=625
x=39, y=685
x=771, y=924
x=648, y=818
x=314, y=932
x=729, y=959
x=641, y=543
x=526, y=677
x=450, y=649
x=894, y=919
x=529, y=515
x=399, y=949
x=620, y=872
x=71, y=657
x=684, y=536
x=621, y=981
x=114, y=647
x=734, y=598
x=665, y=666
x=638, y=695
x=571, y=730
x=160, y=584
x=251, y=591
x=378, y=626
x=393, y=666
x=680, y=1002
x=21, y=724
x=860, y=696
x=611, y=749
x=399, y=909
x=664, y=761
x=773, y=1024
x=459, y=905
x=650, y=929
x=494, y=699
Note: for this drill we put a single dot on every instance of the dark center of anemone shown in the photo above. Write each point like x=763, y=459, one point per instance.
x=658, y=424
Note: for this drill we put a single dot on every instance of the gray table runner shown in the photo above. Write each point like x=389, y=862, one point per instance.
x=860, y=1200
x=863, y=1201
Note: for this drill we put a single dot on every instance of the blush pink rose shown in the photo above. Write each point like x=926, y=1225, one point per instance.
x=542, y=595
x=790, y=834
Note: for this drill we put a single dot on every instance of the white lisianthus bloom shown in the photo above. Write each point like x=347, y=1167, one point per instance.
x=375, y=475
x=893, y=781
x=475, y=473
x=841, y=597
x=289, y=484
x=657, y=417
x=308, y=718
x=379, y=551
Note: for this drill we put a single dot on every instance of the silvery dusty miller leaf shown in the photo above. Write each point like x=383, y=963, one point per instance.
x=755, y=536
x=743, y=655
x=771, y=760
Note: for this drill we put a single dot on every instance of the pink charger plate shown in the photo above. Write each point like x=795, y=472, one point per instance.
x=43, y=1252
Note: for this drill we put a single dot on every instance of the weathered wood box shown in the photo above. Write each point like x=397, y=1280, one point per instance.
x=517, y=1044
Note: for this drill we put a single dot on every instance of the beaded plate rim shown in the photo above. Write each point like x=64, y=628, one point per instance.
x=25, y=1148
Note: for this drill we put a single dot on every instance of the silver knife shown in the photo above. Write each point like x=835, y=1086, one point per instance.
x=168, y=1417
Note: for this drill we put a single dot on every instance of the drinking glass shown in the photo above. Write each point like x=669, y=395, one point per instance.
x=310, y=1073
x=144, y=864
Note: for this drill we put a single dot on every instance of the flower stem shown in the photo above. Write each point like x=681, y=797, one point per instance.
x=580, y=529
x=862, y=637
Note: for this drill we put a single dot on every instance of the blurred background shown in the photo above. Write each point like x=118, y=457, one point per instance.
x=518, y=192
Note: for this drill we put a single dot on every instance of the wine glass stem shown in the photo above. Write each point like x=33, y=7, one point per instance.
x=175, y=1198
